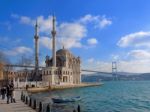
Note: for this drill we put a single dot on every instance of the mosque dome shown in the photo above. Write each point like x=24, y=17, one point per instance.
x=63, y=52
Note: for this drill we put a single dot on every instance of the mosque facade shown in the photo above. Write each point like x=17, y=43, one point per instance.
x=63, y=67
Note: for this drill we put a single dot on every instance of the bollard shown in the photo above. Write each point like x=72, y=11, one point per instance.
x=24, y=98
x=26, y=101
x=48, y=108
x=34, y=104
x=21, y=95
x=40, y=107
x=30, y=102
x=78, y=108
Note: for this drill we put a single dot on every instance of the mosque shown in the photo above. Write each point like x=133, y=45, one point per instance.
x=63, y=67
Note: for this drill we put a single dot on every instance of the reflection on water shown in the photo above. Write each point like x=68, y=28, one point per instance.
x=119, y=96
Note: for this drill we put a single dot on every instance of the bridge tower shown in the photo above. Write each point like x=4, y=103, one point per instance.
x=114, y=70
x=36, y=37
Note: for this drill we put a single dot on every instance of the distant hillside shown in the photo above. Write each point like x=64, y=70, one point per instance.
x=120, y=76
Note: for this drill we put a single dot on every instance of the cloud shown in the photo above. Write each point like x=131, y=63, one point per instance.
x=115, y=57
x=97, y=65
x=18, y=50
x=134, y=66
x=137, y=39
x=90, y=60
x=98, y=21
x=26, y=20
x=92, y=41
x=45, y=24
x=139, y=54
x=70, y=34
x=131, y=66
x=13, y=15
x=6, y=24
x=46, y=42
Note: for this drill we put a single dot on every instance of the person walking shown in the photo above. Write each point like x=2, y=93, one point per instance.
x=8, y=93
x=0, y=92
x=3, y=92
x=11, y=92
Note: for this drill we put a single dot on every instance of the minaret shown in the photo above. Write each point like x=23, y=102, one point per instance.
x=53, y=32
x=36, y=37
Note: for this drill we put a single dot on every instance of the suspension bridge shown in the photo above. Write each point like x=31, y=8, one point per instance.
x=83, y=70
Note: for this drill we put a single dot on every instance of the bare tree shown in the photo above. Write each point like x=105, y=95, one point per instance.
x=4, y=60
x=25, y=60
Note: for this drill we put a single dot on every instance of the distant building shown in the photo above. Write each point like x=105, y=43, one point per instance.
x=1, y=71
x=63, y=67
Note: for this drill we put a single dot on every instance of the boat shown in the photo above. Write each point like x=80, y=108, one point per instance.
x=66, y=100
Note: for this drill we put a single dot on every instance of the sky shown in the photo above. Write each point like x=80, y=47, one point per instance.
x=99, y=31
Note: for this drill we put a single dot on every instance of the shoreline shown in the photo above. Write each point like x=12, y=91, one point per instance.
x=61, y=87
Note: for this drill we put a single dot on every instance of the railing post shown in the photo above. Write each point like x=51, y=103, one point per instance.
x=40, y=107
x=48, y=108
x=26, y=101
x=34, y=104
x=22, y=96
x=79, y=110
x=30, y=102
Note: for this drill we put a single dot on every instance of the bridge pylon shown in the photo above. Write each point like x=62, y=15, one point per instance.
x=114, y=70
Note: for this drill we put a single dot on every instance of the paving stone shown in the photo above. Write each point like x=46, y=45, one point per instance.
x=19, y=106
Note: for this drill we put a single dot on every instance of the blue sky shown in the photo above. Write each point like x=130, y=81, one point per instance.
x=99, y=31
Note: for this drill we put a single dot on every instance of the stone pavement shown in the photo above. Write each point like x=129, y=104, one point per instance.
x=19, y=106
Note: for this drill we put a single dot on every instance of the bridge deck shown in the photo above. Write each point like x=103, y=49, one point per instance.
x=19, y=106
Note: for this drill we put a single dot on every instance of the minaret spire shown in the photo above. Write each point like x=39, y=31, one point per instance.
x=36, y=28
x=53, y=32
x=36, y=37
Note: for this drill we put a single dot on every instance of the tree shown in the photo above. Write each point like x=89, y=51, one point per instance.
x=25, y=60
x=4, y=60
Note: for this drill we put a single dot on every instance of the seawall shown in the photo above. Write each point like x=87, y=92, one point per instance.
x=60, y=87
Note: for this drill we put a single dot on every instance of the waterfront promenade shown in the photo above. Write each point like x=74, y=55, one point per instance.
x=19, y=106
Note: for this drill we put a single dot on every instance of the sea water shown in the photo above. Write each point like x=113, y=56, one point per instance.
x=113, y=96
